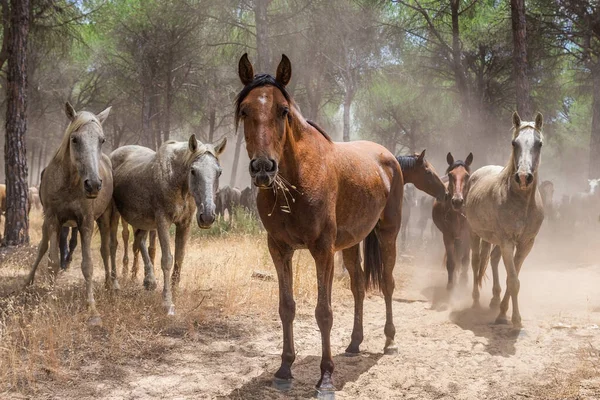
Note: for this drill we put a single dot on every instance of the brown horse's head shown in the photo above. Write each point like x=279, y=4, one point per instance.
x=527, y=149
x=458, y=179
x=418, y=171
x=264, y=106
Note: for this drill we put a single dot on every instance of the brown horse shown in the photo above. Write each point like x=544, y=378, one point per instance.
x=418, y=171
x=449, y=218
x=321, y=196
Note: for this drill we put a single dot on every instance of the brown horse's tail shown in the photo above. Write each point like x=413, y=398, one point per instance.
x=373, y=261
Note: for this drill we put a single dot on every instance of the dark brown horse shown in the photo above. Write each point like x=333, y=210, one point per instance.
x=322, y=196
x=449, y=218
x=418, y=171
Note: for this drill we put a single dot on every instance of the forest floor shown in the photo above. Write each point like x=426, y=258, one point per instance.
x=225, y=340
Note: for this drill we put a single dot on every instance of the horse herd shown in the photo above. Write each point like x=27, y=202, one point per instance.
x=313, y=194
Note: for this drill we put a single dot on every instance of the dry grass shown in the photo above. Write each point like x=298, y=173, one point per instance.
x=44, y=336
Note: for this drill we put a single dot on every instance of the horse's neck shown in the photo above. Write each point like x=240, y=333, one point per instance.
x=297, y=150
x=173, y=173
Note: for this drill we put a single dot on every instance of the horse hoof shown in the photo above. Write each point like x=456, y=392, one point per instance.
x=151, y=285
x=282, y=384
x=325, y=387
x=391, y=350
x=171, y=310
x=352, y=350
x=325, y=394
x=501, y=321
x=517, y=324
x=115, y=286
x=494, y=304
x=95, y=320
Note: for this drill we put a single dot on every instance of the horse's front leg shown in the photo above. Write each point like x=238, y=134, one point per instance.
x=72, y=244
x=166, y=261
x=522, y=252
x=64, y=247
x=475, y=258
x=42, y=249
x=86, y=229
x=357, y=284
x=114, y=243
x=140, y=246
x=182, y=234
x=496, y=289
x=512, y=280
x=450, y=258
x=282, y=254
x=323, y=254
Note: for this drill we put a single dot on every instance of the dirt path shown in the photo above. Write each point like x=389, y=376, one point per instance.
x=446, y=349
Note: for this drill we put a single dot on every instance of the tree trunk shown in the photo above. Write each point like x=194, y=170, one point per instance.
x=211, y=124
x=236, y=159
x=519, y=30
x=348, y=97
x=168, y=99
x=262, y=36
x=594, y=168
x=16, y=229
x=40, y=164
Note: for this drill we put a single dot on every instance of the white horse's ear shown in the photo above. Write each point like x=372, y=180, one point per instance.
x=539, y=121
x=469, y=159
x=193, y=144
x=284, y=71
x=245, y=70
x=516, y=120
x=449, y=158
x=70, y=111
x=103, y=115
x=220, y=148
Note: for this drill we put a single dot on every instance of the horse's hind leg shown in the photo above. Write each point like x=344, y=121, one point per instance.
x=139, y=241
x=114, y=228
x=357, y=283
x=125, y=237
x=64, y=247
x=387, y=241
x=72, y=245
x=166, y=262
x=42, y=249
x=149, y=278
x=496, y=289
x=110, y=267
x=152, y=246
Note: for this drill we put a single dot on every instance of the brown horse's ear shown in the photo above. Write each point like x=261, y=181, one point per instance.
x=469, y=159
x=539, y=121
x=70, y=111
x=193, y=144
x=516, y=120
x=220, y=148
x=103, y=115
x=449, y=158
x=245, y=70
x=284, y=71
x=421, y=157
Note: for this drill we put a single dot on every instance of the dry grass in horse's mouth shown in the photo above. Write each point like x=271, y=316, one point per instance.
x=43, y=331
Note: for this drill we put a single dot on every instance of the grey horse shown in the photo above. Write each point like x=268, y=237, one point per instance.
x=154, y=190
x=76, y=189
x=504, y=208
x=227, y=198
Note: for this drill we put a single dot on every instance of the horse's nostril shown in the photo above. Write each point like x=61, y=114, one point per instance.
x=529, y=178
x=272, y=165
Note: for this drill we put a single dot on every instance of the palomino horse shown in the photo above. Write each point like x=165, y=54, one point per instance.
x=448, y=216
x=76, y=188
x=321, y=196
x=154, y=190
x=504, y=208
x=419, y=172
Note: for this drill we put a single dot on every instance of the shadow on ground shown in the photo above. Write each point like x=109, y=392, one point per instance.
x=306, y=374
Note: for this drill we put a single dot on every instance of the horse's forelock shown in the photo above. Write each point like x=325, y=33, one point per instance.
x=527, y=125
x=81, y=118
x=456, y=164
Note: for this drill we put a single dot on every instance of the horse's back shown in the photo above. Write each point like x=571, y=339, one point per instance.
x=361, y=157
x=131, y=154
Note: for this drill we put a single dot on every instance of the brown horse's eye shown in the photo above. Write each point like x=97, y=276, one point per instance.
x=285, y=111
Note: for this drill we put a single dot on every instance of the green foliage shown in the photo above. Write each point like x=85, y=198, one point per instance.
x=242, y=223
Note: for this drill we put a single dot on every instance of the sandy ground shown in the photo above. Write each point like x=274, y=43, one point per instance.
x=447, y=350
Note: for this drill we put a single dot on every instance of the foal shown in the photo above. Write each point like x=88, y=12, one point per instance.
x=448, y=216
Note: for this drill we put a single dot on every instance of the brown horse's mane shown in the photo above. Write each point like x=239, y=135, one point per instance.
x=268, y=80
x=82, y=118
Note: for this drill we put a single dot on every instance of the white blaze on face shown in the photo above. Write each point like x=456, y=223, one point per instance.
x=594, y=185
x=263, y=99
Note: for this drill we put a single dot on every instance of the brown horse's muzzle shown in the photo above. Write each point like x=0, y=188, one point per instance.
x=263, y=171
